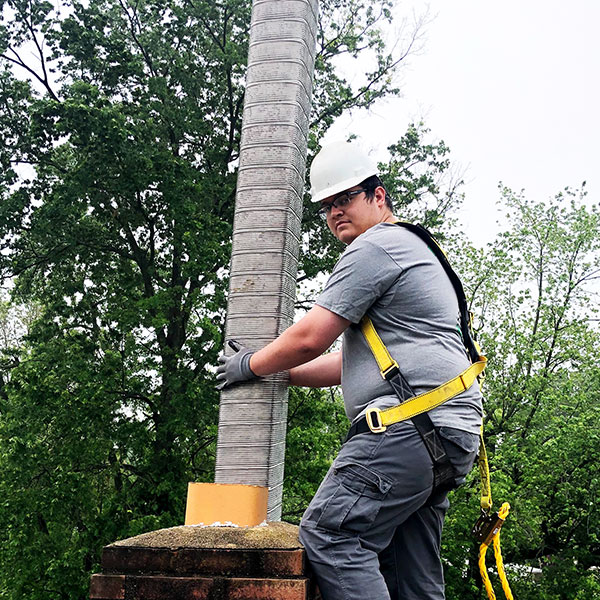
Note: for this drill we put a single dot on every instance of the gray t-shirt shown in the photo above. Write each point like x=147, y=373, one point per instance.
x=391, y=274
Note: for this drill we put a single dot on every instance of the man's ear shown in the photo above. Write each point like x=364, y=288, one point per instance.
x=380, y=195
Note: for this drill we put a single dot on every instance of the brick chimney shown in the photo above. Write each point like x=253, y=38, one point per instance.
x=266, y=562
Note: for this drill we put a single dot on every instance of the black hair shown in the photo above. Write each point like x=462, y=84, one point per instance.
x=370, y=184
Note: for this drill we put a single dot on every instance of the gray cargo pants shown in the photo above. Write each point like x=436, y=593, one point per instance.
x=372, y=531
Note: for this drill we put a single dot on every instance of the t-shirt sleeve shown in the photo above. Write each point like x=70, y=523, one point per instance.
x=362, y=275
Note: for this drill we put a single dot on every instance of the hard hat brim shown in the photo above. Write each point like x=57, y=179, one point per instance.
x=340, y=186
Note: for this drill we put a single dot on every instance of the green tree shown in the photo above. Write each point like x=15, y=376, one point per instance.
x=534, y=296
x=317, y=426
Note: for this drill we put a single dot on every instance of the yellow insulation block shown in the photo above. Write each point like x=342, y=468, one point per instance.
x=226, y=504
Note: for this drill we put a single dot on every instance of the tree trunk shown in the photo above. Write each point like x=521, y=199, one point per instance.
x=266, y=235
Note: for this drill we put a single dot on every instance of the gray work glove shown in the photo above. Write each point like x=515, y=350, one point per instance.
x=236, y=367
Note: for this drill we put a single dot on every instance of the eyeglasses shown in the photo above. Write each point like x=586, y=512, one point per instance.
x=339, y=202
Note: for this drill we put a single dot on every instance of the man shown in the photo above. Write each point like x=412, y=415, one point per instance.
x=373, y=529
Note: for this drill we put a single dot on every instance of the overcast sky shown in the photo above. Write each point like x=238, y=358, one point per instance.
x=513, y=88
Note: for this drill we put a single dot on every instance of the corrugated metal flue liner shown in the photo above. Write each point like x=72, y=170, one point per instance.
x=251, y=447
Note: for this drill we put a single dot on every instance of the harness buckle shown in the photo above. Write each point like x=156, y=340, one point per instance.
x=391, y=371
x=375, y=428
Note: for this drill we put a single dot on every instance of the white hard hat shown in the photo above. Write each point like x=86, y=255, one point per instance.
x=337, y=167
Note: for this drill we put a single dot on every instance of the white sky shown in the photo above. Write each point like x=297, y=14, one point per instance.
x=513, y=88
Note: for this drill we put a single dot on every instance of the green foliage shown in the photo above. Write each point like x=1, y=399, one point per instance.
x=421, y=178
x=348, y=30
x=317, y=425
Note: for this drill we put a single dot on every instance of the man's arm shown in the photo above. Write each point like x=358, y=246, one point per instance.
x=324, y=371
x=302, y=342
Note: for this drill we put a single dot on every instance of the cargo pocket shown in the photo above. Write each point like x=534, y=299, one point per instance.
x=356, y=499
x=468, y=442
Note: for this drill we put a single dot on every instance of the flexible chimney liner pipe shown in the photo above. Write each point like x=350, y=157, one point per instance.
x=266, y=236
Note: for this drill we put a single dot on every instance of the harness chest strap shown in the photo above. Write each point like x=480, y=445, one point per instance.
x=417, y=404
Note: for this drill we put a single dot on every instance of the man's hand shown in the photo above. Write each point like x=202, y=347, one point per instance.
x=236, y=367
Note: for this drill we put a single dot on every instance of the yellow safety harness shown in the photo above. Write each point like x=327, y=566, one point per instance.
x=417, y=404
x=487, y=528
